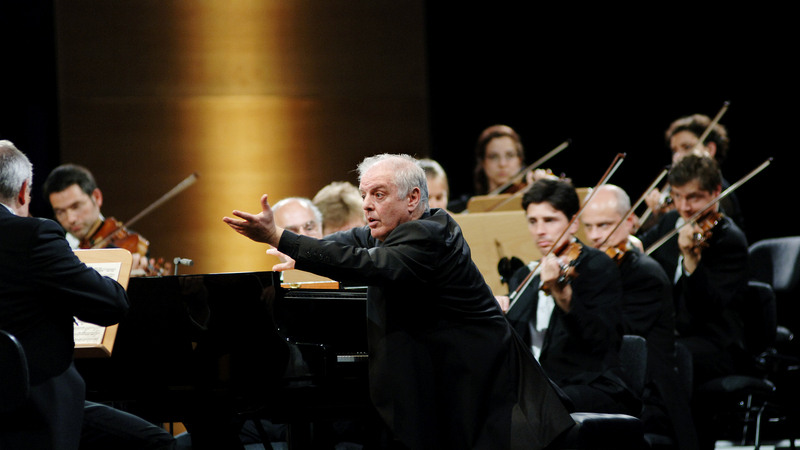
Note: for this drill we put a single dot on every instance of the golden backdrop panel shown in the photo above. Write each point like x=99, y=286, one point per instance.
x=257, y=96
x=223, y=47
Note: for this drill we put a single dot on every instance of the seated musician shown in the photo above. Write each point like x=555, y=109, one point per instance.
x=340, y=205
x=446, y=370
x=42, y=286
x=681, y=138
x=438, y=187
x=647, y=311
x=708, y=281
x=299, y=215
x=574, y=331
x=76, y=201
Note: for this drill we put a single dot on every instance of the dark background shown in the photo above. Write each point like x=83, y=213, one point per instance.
x=611, y=81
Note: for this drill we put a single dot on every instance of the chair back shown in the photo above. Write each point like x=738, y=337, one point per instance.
x=777, y=263
x=633, y=356
x=14, y=381
x=760, y=317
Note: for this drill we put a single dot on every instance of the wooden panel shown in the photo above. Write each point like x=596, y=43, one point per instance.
x=257, y=96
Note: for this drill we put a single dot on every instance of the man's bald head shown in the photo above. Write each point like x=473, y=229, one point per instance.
x=298, y=215
x=607, y=208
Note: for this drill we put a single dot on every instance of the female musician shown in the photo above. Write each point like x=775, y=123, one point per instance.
x=573, y=330
x=500, y=156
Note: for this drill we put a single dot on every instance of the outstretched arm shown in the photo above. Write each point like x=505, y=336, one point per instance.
x=258, y=227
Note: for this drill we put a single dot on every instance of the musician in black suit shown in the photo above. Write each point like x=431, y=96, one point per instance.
x=647, y=311
x=709, y=282
x=42, y=286
x=446, y=370
x=575, y=331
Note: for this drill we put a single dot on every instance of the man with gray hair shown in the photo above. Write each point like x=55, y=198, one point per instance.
x=42, y=286
x=446, y=370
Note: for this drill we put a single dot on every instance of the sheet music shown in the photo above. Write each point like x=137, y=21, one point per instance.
x=106, y=269
x=89, y=333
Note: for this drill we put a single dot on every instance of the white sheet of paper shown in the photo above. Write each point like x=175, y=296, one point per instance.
x=89, y=333
x=107, y=269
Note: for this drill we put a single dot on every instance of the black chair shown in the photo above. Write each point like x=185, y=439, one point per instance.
x=14, y=381
x=734, y=404
x=777, y=263
x=595, y=431
x=633, y=356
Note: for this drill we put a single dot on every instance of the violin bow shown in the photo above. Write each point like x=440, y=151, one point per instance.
x=521, y=174
x=702, y=138
x=514, y=296
x=638, y=202
x=719, y=198
x=180, y=187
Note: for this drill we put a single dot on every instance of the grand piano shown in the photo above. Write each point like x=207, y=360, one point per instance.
x=214, y=350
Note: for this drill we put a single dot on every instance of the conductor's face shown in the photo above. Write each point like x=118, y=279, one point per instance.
x=383, y=206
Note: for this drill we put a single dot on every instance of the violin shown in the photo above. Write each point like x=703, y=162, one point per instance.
x=112, y=233
x=571, y=251
x=617, y=253
x=707, y=222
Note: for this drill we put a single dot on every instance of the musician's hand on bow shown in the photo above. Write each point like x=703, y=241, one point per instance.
x=504, y=302
x=653, y=200
x=286, y=263
x=551, y=272
x=690, y=251
x=258, y=227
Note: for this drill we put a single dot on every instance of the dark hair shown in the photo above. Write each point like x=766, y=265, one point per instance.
x=697, y=124
x=495, y=131
x=696, y=167
x=65, y=176
x=560, y=194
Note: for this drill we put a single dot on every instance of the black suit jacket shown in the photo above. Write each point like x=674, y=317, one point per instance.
x=580, y=346
x=446, y=370
x=649, y=312
x=708, y=302
x=42, y=286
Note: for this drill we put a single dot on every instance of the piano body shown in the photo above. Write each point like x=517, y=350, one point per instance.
x=205, y=349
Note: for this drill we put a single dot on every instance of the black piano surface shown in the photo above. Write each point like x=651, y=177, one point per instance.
x=203, y=348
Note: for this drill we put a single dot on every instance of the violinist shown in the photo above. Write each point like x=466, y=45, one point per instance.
x=709, y=275
x=648, y=311
x=76, y=201
x=500, y=156
x=682, y=138
x=574, y=331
